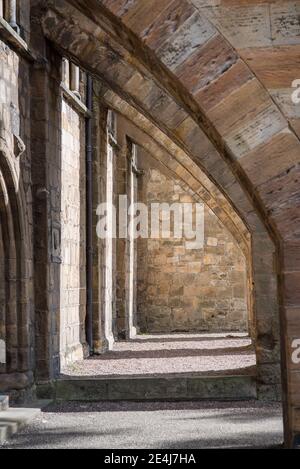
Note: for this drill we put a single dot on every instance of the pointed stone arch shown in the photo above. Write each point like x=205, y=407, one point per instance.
x=16, y=300
x=254, y=243
x=189, y=80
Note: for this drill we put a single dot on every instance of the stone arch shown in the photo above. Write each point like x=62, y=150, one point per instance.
x=187, y=170
x=192, y=183
x=264, y=314
x=16, y=372
x=209, y=96
x=207, y=93
x=134, y=77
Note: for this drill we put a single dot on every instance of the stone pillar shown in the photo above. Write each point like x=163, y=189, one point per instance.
x=75, y=79
x=11, y=14
x=99, y=196
x=266, y=324
x=291, y=338
x=132, y=248
x=121, y=181
x=46, y=187
x=66, y=72
x=1, y=8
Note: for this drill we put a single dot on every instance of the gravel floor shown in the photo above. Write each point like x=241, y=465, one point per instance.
x=210, y=354
x=153, y=425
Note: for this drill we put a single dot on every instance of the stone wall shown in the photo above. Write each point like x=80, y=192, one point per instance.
x=16, y=243
x=182, y=289
x=73, y=245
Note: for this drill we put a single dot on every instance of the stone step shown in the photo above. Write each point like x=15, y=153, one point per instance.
x=4, y=403
x=172, y=388
x=14, y=419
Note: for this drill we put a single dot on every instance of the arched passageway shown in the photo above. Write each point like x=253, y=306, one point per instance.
x=255, y=243
x=162, y=286
x=202, y=83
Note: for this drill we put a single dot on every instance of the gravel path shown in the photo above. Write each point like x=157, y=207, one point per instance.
x=154, y=425
x=210, y=354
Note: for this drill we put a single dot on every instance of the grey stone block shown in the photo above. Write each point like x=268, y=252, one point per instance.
x=176, y=387
x=12, y=420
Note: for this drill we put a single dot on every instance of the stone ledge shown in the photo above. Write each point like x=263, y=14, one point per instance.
x=13, y=420
x=74, y=101
x=13, y=39
x=166, y=387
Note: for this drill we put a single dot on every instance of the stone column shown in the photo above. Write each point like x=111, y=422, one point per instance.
x=11, y=14
x=46, y=189
x=99, y=196
x=66, y=72
x=75, y=79
x=1, y=9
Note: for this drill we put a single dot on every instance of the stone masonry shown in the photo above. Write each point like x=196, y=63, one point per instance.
x=188, y=290
x=16, y=244
x=73, y=267
x=205, y=87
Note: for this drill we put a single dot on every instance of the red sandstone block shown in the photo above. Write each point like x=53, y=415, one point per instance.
x=222, y=86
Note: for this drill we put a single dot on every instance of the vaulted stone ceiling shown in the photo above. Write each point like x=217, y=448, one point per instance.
x=170, y=155
x=198, y=79
x=266, y=35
